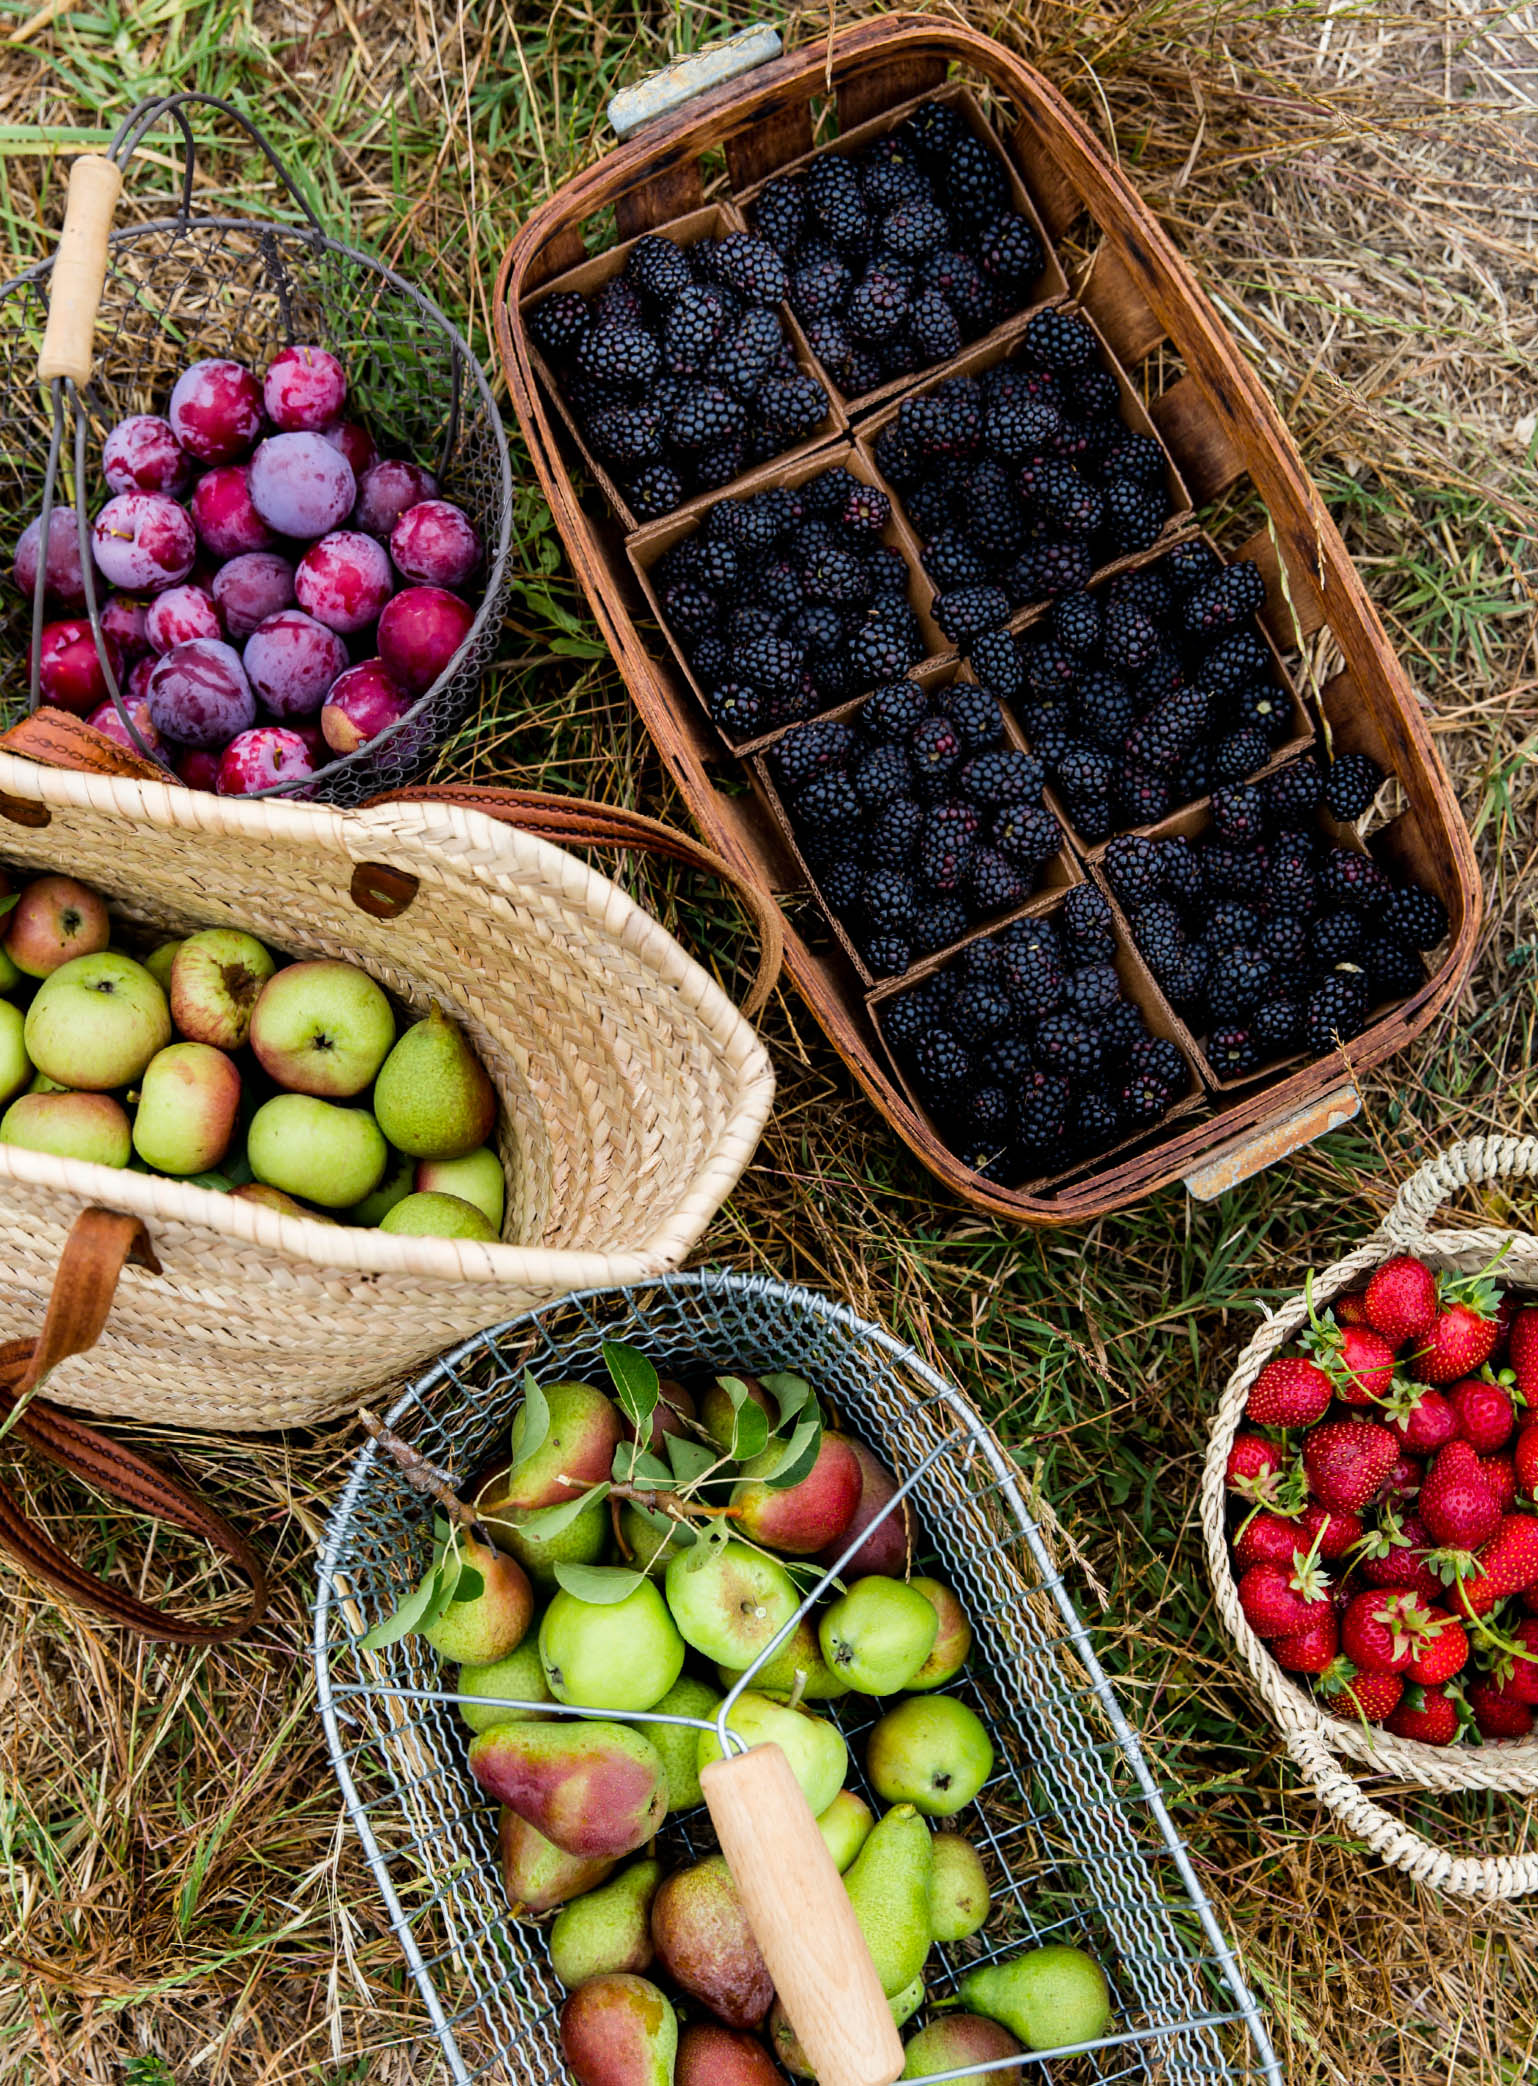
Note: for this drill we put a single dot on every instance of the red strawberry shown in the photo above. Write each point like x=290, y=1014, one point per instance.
x=1406, y=1477
x=1279, y=1600
x=1524, y=1670
x=1505, y=1318
x=1309, y=1651
x=1347, y=1462
x=1427, y=1714
x=1455, y=1502
x=1401, y=1299
x=1374, y=1633
x=1501, y=1476
x=1507, y=1564
x=1486, y=1416
x=1439, y=1646
x=1256, y=1469
x=1351, y=1309
x=1530, y=1599
x=1497, y=1711
x=1333, y=1533
x=1426, y=1420
x=1289, y=1392
x=1395, y=1555
x=1372, y=1696
x=1463, y=1333
x=1269, y=1539
x=1522, y=1352
x=1365, y=1370
x=1525, y=1459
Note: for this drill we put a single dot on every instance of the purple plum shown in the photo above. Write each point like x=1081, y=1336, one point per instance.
x=386, y=490
x=362, y=703
x=123, y=625
x=355, y=443
x=65, y=583
x=144, y=542
x=69, y=670
x=259, y=759
x=435, y=544
x=228, y=525
x=250, y=589
x=291, y=661
x=344, y=580
x=178, y=616
x=198, y=768
x=107, y=720
x=419, y=633
x=304, y=390
x=200, y=695
x=300, y=485
x=142, y=455
x=216, y=410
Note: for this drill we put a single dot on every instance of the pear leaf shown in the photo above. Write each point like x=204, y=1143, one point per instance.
x=635, y=1383
x=8, y=904
x=404, y=1619
x=535, y=1414
x=545, y=1522
x=750, y=1427
x=792, y=1393
x=796, y=1456
x=450, y=1570
x=469, y=1586
x=690, y=1459
x=442, y=1533
x=707, y=1542
x=652, y=1471
x=601, y=1585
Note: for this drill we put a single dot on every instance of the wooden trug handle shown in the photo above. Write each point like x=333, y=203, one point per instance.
x=79, y=270
x=802, y=1919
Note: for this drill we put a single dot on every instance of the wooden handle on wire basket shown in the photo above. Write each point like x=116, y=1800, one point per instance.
x=79, y=270
x=802, y=1919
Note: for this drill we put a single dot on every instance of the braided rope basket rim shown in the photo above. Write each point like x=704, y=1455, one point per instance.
x=1313, y=1738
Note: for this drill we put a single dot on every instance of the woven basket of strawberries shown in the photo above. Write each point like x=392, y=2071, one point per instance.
x=1370, y=1508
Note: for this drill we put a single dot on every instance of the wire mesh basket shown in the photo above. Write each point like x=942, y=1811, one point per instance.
x=182, y=288
x=1073, y=1830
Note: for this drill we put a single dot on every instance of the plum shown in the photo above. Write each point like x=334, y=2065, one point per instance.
x=65, y=583
x=228, y=525
x=200, y=694
x=70, y=671
x=107, y=720
x=291, y=661
x=419, y=633
x=300, y=485
x=304, y=390
x=259, y=759
x=179, y=615
x=137, y=687
x=314, y=744
x=123, y=625
x=144, y=542
x=198, y=768
x=355, y=443
x=386, y=490
x=250, y=589
x=363, y=703
x=142, y=455
x=344, y=580
x=216, y=410
x=435, y=544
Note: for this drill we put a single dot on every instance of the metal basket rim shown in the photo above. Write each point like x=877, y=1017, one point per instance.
x=734, y=1281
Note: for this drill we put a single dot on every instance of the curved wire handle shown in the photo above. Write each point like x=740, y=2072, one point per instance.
x=140, y=121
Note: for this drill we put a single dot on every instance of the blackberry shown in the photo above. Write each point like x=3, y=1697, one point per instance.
x=1266, y=708
x=878, y=304
x=654, y=492
x=864, y=507
x=1095, y=395
x=1063, y=1042
x=1134, y=515
x=690, y=609
x=1038, y=936
x=1023, y=429
x=1049, y=566
x=967, y=613
x=1336, y=1011
x=1094, y=1119
x=743, y=357
x=1133, y=456
x=1161, y=677
x=627, y=434
x=888, y=902
x=1195, y=776
x=1084, y=771
x=1231, y=1052
x=1075, y=623
x=942, y=1064
x=818, y=288
x=559, y=322
x=1347, y=878
x=841, y=884
x=659, y=268
x=983, y=959
x=769, y=662
x=712, y=658
x=1041, y=1111
x=820, y=626
x=895, y=834
x=833, y=190
x=1049, y=729
x=1190, y=564
x=693, y=326
x=938, y=924
x=1231, y=922
x=1157, y=931
x=1223, y=601
x=994, y=518
x=957, y=278
x=1093, y=990
x=1156, y=1057
x=947, y=421
x=1229, y=667
x=1232, y=872
x=989, y=1113
x=994, y=882
x=1284, y=942
x=935, y=750
x=1054, y=339
x=892, y=712
x=820, y=498
x=1292, y=792
x=880, y=649
x=619, y=303
x=860, y=371
x=1120, y=1027
x=1094, y=819
x=1027, y=834
x=1393, y=971
x=1009, y=252
x=882, y=775
x=623, y=355
x=889, y=171
x=1143, y=796
x=834, y=573
x=748, y=265
x=1132, y=638
x=973, y=181
x=976, y=715
x=780, y=213
x=915, y=226
x=980, y=1012
x=905, y=1019
x=1240, y=754
x=1066, y=500
x=933, y=327
x=1415, y=916
x=952, y=560
x=1008, y=1060
x=888, y=573
x=997, y=779
x=1106, y=710
x=828, y=341
x=1239, y=814
x=1048, y=670
x=779, y=587
x=947, y=846
x=737, y=709
x=1087, y=929
x=1034, y=979
x=1351, y=785
x=791, y=407
x=705, y=415
x=1132, y=869
x=1162, y=739
x=933, y=130
x=1181, y=870
x=887, y=955
x=1143, y=1099
x=1337, y=937
x=828, y=806
x=810, y=751
x=720, y=463
x=930, y=507
x=1277, y=1026
x=1238, y=983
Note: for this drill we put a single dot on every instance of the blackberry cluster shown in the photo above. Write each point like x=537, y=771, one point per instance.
x=917, y=817
x=1147, y=692
x=1026, y=1050
x=1270, y=940
x=786, y=602
x=1024, y=479
x=900, y=254
x=679, y=371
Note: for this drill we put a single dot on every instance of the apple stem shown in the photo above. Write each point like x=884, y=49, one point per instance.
x=421, y=1475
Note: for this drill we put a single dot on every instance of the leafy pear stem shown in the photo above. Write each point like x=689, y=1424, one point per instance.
x=423, y=1476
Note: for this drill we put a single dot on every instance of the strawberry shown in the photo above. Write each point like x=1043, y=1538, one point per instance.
x=1485, y=1414
x=1507, y=1564
x=1257, y=1469
x=1455, y=1502
x=1522, y=1352
x=1357, y=1359
x=1524, y=1668
x=1370, y=1696
x=1463, y=1333
x=1374, y=1633
x=1394, y=1554
x=1530, y=1599
x=1421, y=1417
x=1501, y=1476
x=1311, y=1650
x=1279, y=1600
x=1439, y=1646
x=1497, y=1712
x=1426, y=1714
x=1406, y=1477
x=1269, y=1539
x=1347, y=1462
x=1289, y=1392
x=1351, y=1308
x=1505, y=1318
x=1525, y=1459
x=1401, y=1300
x=1330, y=1532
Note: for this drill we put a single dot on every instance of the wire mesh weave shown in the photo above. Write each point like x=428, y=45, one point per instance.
x=186, y=287
x=1075, y=1835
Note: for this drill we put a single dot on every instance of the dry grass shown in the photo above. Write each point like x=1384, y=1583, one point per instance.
x=177, y=1902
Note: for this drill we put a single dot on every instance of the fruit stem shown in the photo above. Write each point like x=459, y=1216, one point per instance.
x=423, y=1476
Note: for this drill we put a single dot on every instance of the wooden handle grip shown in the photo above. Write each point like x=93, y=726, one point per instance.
x=79, y=269
x=802, y=1919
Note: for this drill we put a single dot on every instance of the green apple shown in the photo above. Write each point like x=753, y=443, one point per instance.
x=818, y=1757
x=188, y=1101
x=438, y=1217
x=10, y=976
x=15, y=1065
x=477, y=1178
x=730, y=1602
x=394, y=1188
x=876, y=1636
x=53, y=921
x=71, y=1126
x=316, y=1150
x=216, y=976
x=42, y=1084
x=610, y=1654
x=322, y=1028
x=274, y=1199
x=96, y=1022
x=158, y=963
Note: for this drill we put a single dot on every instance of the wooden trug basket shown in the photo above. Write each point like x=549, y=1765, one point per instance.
x=1226, y=442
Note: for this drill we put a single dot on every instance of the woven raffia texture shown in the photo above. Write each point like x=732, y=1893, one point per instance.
x=1313, y=1737
x=632, y=1095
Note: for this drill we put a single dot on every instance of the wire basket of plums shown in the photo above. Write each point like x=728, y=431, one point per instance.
x=261, y=534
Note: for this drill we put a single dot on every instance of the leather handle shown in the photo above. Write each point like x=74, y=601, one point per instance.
x=99, y=1246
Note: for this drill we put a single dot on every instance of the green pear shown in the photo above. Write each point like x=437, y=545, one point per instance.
x=584, y=1540
x=608, y=1928
x=845, y=1827
x=432, y=1097
x=797, y=1669
x=888, y=1886
x=704, y=1943
x=930, y=1751
x=15, y=1065
x=577, y=1451
x=1050, y=1997
x=318, y=1150
x=679, y=1744
x=953, y=1639
x=395, y=1187
x=619, y=2030
x=878, y=1634
x=718, y=1416
x=729, y=1601
x=611, y=1655
x=536, y=1874
x=958, y=2040
x=673, y=1409
x=594, y=1788
x=710, y=2055
x=437, y=1217
x=959, y=1898
x=818, y=1756
x=651, y=1539
x=800, y=1519
x=477, y=1178
x=906, y=2003
x=489, y=1624
x=520, y=1677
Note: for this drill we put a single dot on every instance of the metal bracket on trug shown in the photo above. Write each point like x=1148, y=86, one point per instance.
x=668, y=89
x=1236, y=1162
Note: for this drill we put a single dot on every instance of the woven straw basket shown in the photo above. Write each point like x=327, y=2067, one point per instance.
x=1318, y=1742
x=632, y=1091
